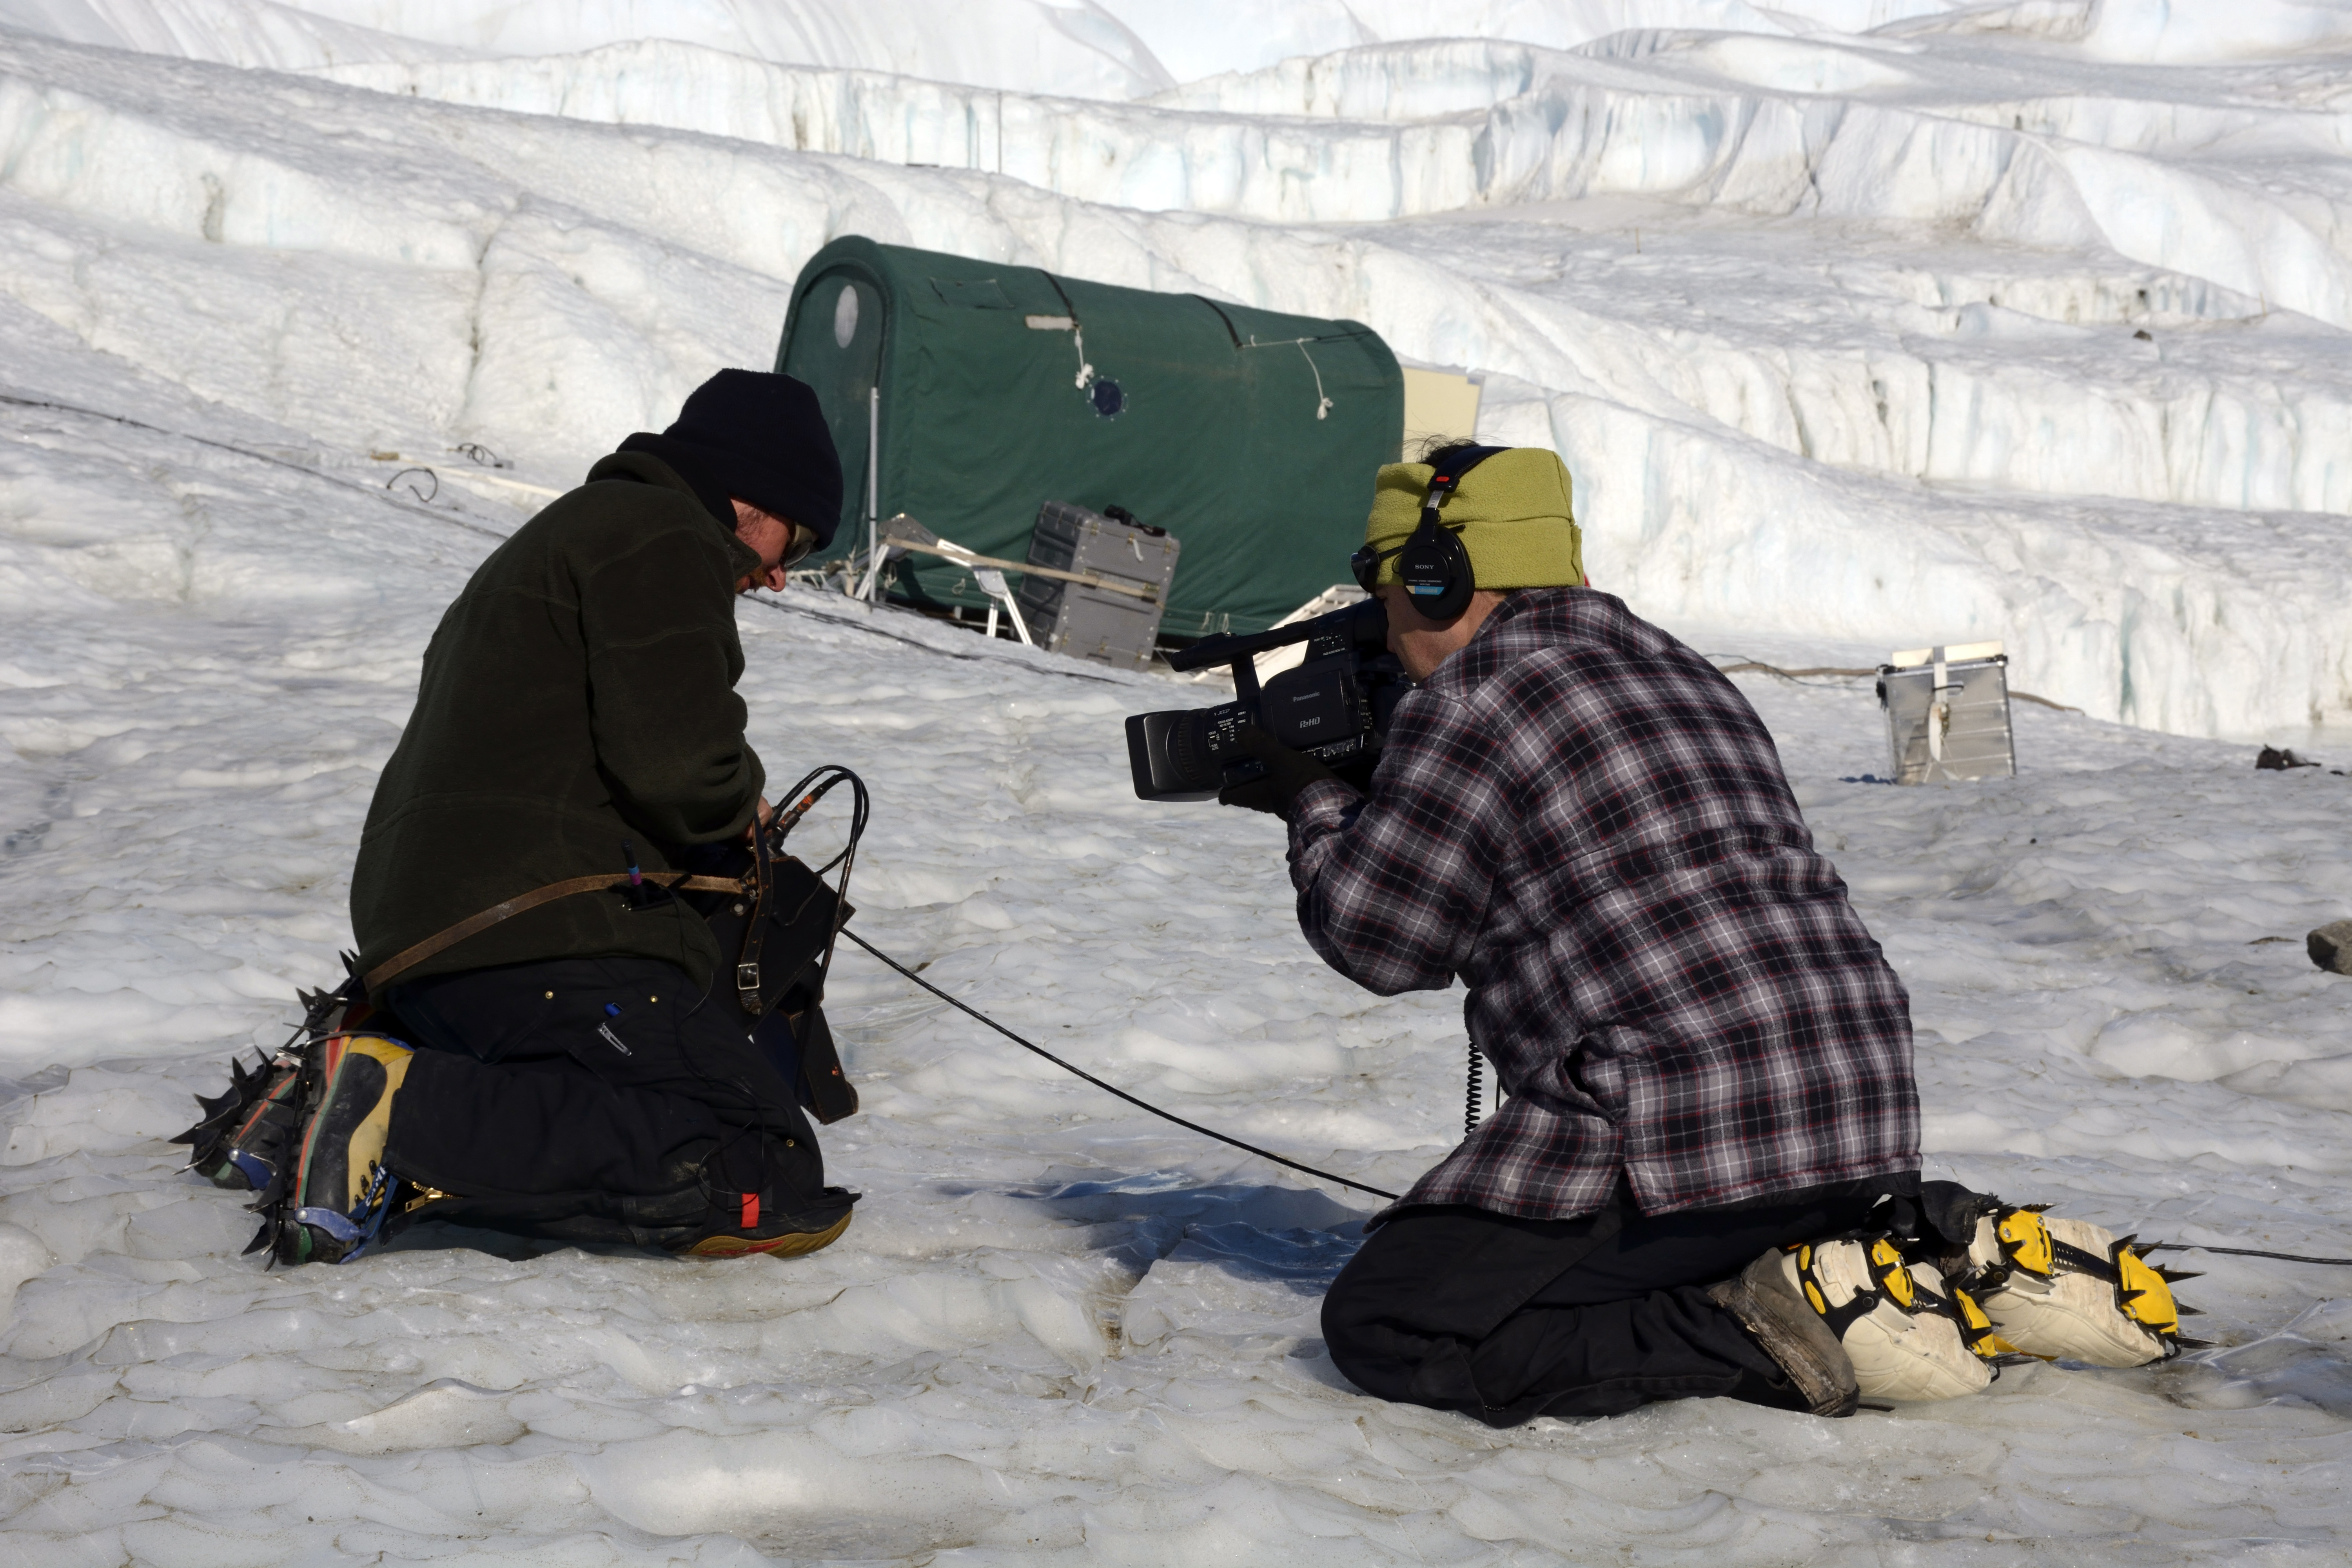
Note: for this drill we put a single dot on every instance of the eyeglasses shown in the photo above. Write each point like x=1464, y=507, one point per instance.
x=802, y=542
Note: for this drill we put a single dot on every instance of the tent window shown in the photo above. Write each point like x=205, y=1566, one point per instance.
x=844, y=316
x=986, y=294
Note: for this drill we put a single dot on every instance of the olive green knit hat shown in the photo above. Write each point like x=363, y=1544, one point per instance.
x=1512, y=513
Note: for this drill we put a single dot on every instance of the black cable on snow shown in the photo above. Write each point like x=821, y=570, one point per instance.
x=1375, y=1192
x=1109, y=1088
x=2243, y=1252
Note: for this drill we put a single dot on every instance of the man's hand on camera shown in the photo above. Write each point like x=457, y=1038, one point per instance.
x=1286, y=773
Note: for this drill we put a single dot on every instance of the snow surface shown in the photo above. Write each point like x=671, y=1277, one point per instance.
x=1836, y=331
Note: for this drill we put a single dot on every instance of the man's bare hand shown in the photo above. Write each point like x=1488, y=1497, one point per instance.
x=761, y=819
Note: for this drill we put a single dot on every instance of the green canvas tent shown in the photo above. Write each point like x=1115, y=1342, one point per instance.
x=1250, y=436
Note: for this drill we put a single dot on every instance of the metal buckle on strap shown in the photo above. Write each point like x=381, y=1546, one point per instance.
x=747, y=977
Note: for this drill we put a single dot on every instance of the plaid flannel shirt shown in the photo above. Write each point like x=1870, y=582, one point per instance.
x=1585, y=822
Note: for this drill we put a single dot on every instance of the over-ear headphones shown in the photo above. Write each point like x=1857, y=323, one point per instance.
x=1433, y=564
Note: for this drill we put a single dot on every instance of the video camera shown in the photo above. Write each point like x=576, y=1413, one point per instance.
x=1334, y=707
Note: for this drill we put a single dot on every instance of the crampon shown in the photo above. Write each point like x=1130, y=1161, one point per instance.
x=250, y=1139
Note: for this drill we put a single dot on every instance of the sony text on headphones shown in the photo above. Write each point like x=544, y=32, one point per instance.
x=1433, y=564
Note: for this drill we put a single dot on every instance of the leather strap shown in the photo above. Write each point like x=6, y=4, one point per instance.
x=439, y=941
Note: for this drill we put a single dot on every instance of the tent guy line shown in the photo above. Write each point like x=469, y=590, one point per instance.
x=393, y=497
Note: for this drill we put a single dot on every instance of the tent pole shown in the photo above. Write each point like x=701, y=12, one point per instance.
x=872, y=482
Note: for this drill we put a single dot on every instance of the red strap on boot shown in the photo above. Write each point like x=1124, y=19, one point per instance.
x=750, y=1211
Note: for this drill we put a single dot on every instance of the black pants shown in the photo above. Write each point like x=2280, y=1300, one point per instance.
x=1508, y=1318
x=599, y=1098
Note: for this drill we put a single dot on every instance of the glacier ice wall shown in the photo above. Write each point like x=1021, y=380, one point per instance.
x=1111, y=48
x=1886, y=339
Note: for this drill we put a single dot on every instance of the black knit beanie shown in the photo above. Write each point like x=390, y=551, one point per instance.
x=749, y=435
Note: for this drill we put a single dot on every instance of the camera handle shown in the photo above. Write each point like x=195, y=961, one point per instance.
x=1236, y=649
x=1368, y=622
x=1246, y=687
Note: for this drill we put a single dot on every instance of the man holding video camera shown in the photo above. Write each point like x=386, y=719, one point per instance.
x=1706, y=1057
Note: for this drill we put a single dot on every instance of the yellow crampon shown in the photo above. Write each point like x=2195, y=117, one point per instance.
x=2025, y=1240
x=2062, y=1289
x=1900, y=1286
x=1977, y=1329
x=1901, y=1325
x=2144, y=1292
x=1894, y=1279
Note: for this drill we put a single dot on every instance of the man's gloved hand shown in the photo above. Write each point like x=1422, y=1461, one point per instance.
x=1286, y=773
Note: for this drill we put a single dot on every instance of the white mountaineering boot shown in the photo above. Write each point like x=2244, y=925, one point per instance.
x=2065, y=1289
x=1904, y=1333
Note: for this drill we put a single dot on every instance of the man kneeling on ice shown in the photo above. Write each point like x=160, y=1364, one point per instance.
x=559, y=1057
x=1706, y=1178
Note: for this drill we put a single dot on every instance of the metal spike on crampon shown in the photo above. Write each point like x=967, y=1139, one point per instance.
x=247, y=1136
x=2063, y=1289
x=275, y=1201
x=226, y=1141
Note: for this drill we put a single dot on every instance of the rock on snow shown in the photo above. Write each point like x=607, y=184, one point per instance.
x=1862, y=323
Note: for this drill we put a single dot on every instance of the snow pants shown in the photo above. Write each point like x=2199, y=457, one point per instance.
x=598, y=1100
x=1506, y=1319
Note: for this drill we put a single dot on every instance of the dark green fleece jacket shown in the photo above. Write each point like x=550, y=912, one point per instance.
x=579, y=692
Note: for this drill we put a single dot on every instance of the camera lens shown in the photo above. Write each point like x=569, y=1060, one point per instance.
x=1188, y=748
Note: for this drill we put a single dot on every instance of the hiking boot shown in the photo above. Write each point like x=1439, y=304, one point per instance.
x=749, y=1225
x=2064, y=1289
x=341, y=1191
x=244, y=1133
x=1902, y=1331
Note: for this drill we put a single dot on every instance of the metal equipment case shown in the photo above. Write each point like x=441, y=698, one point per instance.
x=1948, y=713
x=1098, y=623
